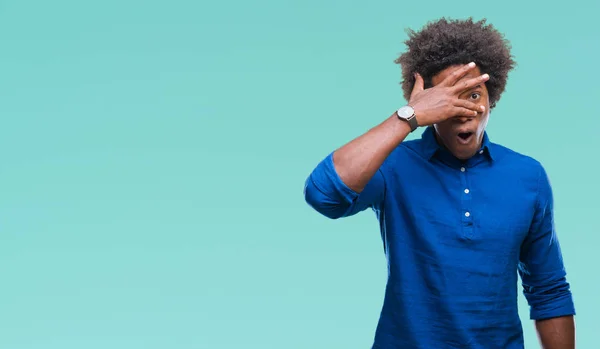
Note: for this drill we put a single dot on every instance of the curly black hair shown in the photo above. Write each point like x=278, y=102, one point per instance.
x=444, y=43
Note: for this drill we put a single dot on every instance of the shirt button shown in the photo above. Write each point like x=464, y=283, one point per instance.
x=462, y=169
x=466, y=191
x=467, y=214
x=481, y=152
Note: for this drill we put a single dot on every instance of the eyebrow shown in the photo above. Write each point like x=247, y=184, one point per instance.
x=480, y=87
x=472, y=89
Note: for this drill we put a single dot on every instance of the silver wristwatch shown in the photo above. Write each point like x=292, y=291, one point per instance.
x=407, y=113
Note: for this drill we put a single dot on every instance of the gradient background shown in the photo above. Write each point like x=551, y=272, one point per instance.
x=154, y=156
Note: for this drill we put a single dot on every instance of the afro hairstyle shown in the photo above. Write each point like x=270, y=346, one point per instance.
x=444, y=43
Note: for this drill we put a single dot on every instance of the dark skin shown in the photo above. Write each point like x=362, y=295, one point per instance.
x=471, y=127
x=457, y=103
x=557, y=333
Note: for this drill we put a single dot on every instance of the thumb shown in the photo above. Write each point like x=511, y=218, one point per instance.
x=419, y=84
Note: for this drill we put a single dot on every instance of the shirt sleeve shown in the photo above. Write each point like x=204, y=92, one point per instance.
x=541, y=265
x=327, y=194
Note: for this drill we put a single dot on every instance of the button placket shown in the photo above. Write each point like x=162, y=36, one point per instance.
x=466, y=204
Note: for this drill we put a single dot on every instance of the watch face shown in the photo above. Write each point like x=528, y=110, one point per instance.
x=405, y=112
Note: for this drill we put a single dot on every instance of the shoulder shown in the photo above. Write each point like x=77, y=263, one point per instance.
x=407, y=151
x=518, y=163
x=414, y=145
x=409, y=158
x=505, y=153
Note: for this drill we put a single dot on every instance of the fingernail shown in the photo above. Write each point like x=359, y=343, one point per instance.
x=482, y=108
x=472, y=64
x=486, y=76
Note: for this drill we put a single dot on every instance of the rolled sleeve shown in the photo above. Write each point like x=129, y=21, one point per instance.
x=329, y=195
x=541, y=266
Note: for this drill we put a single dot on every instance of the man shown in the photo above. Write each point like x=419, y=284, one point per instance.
x=461, y=217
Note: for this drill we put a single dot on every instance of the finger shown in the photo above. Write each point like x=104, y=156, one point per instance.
x=457, y=74
x=419, y=84
x=470, y=83
x=460, y=111
x=469, y=105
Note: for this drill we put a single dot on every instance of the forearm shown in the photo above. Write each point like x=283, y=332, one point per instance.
x=557, y=333
x=357, y=161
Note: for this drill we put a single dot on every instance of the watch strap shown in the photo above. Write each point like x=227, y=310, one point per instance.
x=412, y=121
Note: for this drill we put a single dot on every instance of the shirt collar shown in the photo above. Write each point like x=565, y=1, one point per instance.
x=431, y=146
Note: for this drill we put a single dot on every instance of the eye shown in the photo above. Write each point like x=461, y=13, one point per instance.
x=475, y=95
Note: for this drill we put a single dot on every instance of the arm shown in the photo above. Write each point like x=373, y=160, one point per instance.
x=544, y=277
x=557, y=333
x=349, y=180
x=357, y=161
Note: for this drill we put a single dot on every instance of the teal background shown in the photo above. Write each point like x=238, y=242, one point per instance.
x=153, y=156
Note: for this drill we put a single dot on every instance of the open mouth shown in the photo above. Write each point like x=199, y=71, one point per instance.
x=464, y=137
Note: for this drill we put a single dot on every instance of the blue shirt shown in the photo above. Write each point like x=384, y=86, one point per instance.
x=457, y=235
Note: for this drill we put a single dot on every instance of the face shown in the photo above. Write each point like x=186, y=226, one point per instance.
x=462, y=136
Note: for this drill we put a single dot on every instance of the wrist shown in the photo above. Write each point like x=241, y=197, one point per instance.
x=396, y=130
